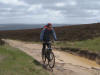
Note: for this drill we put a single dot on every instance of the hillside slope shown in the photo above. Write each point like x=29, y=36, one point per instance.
x=68, y=33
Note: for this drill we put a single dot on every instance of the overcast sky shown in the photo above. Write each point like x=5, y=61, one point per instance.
x=54, y=11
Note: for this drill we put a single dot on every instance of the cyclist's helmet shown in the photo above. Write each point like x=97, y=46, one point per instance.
x=49, y=24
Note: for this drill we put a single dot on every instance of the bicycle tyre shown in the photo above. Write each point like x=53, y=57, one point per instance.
x=43, y=57
x=52, y=59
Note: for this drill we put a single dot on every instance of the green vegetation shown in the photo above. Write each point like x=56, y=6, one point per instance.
x=90, y=44
x=15, y=62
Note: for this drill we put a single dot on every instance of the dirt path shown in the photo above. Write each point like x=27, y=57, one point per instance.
x=66, y=64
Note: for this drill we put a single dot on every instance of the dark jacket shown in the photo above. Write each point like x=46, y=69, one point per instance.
x=46, y=34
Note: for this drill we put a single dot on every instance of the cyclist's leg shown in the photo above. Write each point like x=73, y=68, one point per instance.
x=43, y=49
x=49, y=46
x=49, y=50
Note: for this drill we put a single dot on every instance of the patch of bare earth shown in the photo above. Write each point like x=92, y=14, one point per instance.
x=66, y=64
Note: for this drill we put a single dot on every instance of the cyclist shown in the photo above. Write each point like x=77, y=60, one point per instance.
x=45, y=36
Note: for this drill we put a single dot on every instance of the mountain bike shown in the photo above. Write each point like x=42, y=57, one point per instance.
x=48, y=55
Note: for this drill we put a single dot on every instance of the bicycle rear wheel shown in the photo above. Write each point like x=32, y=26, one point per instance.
x=51, y=61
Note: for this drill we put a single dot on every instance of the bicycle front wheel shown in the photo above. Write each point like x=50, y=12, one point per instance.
x=51, y=61
x=43, y=57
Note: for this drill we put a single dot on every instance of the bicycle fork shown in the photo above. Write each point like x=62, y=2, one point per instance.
x=48, y=53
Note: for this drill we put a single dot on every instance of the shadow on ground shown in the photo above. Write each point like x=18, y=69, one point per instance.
x=45, y=66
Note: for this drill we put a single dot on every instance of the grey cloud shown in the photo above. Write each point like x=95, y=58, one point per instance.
x=89, y=4
x=43, y=1
x=77, y=13
x=79, y=10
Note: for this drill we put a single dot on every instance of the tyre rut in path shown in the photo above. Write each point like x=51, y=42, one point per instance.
x=66, y=64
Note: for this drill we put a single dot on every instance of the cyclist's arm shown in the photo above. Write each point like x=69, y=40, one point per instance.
x=54, y=34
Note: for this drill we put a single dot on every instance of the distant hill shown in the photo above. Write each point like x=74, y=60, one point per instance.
x=19, y=26
x=23, y=26
x=64, y=33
